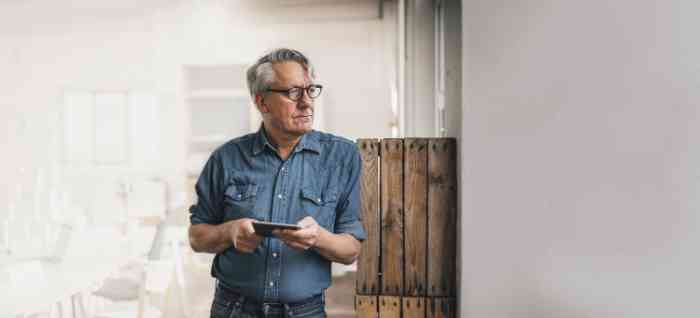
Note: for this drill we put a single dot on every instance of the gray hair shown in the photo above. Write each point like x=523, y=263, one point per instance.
x=261, y=75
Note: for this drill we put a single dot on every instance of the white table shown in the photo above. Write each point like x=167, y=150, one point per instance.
x=93, y=254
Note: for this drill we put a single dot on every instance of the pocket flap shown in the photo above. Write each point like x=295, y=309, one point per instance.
x=330, y=196
x=241, y=192
x=311, y=195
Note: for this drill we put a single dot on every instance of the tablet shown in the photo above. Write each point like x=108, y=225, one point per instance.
x=266, y=228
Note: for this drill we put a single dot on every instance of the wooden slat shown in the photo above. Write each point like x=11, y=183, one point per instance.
x=389, y=307
x=441, y=308
x=366, y=306
x=415, y=215
x=392, y=216
x=442, y=217
x=368, y=262
x=413, y=307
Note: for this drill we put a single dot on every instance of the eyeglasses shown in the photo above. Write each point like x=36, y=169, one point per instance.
x=296, y=93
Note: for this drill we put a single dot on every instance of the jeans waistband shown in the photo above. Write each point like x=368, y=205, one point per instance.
x=250, y=304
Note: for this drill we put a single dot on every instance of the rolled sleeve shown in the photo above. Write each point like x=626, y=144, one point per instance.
x=348, y=213
x=208, y=207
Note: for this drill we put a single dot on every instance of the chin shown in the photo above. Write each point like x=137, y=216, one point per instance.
x=306, y=129
x=299, y=131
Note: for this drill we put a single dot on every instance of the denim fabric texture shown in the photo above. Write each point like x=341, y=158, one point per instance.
x=228, y=304
x=245, y=178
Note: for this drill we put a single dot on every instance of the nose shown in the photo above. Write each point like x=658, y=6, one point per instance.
x=305, y=101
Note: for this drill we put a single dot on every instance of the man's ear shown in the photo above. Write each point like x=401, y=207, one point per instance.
x=260, y=103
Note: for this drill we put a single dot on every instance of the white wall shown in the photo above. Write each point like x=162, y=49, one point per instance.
x=580, y=146
x=48, y=47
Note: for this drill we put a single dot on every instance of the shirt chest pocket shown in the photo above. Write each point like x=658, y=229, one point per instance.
x=320, y=205
x=240, y=201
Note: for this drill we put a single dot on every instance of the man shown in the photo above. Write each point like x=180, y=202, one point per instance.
x=285, y=173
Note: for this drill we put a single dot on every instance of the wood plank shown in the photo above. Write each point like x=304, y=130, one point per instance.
x=414, y=307
x=368, y=262
x=389, y=307
x=441, y=307
x=392, y=216
x=442, y=217
x=415, y=215
x=366, y=306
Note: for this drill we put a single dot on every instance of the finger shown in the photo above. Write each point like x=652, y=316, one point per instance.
x=249, y=243
x=279, y=234
x=286, y=234
x=248, y=228
x=254, y=237
x=243, y=247
x=296, y=245
x=306, y=222
x=300, y=243
x=301, y=235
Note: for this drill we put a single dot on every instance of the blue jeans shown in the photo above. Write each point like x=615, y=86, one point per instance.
x=228, y=304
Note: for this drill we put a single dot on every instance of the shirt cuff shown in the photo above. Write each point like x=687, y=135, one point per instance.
x=197, y=218
x=353, y=228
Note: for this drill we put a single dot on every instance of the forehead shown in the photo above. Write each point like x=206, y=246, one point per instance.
x=290, y=73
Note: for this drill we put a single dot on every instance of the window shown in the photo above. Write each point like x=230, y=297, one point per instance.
x=110, y=128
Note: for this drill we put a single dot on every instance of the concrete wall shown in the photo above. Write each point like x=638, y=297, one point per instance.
x=580, y=148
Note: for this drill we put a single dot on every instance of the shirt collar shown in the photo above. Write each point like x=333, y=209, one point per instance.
x=309, y=141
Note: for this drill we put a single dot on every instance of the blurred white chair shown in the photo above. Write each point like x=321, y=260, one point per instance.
x=146, y=201
x=190, y=290
x=154, y=276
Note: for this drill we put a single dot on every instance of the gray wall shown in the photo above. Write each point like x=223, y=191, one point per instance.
x=580, y=148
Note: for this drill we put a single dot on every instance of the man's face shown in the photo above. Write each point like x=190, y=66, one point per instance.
x=282, y=114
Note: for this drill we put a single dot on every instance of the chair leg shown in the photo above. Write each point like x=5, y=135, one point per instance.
x=72, y=303
x=59, y=307
x=81, y=302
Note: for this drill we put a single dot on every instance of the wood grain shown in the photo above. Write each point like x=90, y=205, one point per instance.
x=389, y=307
x=415, y=215
x=413, y=307
x=392, y=216
x=368, y=262
x=366, y=306
x=442, y=217
x=440, y=307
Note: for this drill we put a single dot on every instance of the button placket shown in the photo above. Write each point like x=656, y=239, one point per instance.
x=274, y=262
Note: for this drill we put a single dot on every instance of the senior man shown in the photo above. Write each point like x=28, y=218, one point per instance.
x=285, y=173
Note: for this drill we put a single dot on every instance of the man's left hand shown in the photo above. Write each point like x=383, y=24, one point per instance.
x=301, y=239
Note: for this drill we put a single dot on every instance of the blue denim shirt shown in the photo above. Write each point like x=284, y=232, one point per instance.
x=246, y=178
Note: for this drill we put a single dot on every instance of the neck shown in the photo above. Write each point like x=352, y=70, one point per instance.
x=283, y=142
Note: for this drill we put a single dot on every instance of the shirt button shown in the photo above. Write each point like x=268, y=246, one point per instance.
x=274, y=255
x=279, y=196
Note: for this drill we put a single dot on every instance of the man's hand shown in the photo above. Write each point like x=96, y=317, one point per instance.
x=302, y=239
x=243, y=235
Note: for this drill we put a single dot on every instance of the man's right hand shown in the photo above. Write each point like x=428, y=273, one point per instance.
x=243, y=235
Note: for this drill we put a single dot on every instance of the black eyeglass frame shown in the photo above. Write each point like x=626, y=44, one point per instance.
x=288, y=92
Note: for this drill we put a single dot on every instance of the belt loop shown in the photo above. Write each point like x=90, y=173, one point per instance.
x=287, y=310
x=239, y=301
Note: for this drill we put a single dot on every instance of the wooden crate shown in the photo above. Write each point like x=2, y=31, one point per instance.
x=409, y=209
